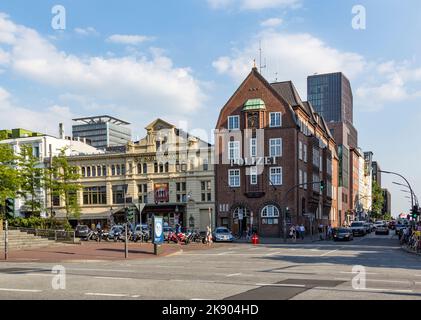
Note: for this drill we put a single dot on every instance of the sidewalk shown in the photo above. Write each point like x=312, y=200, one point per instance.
x=96, y=252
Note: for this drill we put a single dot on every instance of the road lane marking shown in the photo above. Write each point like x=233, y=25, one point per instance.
x=281, y=285
x=328, y=253
x=20, y=290
x=348, y=272
x=112, y=278
x=234, y=275
x=107, y=295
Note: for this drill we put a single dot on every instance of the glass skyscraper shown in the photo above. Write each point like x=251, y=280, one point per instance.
x=102, y=131
x=331, y=96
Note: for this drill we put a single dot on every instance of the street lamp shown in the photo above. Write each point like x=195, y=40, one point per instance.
x=407, y=182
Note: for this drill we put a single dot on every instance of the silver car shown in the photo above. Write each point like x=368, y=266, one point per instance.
x=222, y=234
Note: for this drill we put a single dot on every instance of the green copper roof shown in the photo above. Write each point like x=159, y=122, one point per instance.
x=254, y=104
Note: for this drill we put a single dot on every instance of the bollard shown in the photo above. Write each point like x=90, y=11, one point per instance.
x=255, y=239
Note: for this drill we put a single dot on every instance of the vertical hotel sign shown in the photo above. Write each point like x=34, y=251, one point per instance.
x=162, y=193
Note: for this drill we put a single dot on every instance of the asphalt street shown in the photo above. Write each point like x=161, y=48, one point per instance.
x=322, y=270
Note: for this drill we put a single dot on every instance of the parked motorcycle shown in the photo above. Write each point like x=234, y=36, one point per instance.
x=177, y=238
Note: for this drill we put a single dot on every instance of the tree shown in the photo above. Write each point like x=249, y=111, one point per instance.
x=31, y=174
x=9, y=176
x=378, y=201
x=61, y=180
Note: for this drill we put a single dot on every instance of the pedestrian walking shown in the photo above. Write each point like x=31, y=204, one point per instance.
x=329, y=232
x=209, y=236
x=321, y=227
x=293, y=234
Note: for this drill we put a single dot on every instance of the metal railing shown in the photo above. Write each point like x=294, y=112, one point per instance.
x=56, y=235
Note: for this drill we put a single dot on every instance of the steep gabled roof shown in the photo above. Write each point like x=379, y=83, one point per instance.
x=255, y=72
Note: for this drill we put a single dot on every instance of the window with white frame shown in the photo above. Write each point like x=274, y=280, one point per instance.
x=300, y=180
x=234, y=123
x=300, y=150
x=275, y=119
x=234, y=150
x=305, y=153
x=270, y=215
x=329, y=166
x=253, y=147
x=321, y=163
x=234, y=178
x=270, y=212
x=253, y=175
x=275, y=147
x=316, y=158
x=276, y=176
x=305, y=180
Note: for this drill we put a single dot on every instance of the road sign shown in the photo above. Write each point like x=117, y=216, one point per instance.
x=158, y=230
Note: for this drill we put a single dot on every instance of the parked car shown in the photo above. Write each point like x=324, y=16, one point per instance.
x=367, y=228
x=82, y=232
x=345, y=234
x=358, y=228
x=222, y=234
x=382, y=230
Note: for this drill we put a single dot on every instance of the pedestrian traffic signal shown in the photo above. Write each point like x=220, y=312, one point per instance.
x=10, y=207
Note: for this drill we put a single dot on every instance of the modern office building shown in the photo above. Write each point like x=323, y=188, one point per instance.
x=272, y=151
x=167, y=173
x=331, y=95
x=102, y=131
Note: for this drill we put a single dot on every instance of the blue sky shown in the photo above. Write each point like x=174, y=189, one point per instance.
x=181, y=60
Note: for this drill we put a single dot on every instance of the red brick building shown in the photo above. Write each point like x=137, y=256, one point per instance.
x=267, y=142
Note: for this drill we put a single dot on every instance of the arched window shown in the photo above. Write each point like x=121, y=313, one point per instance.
x=145, y=168
x=139, y=168
x=270, y=215
x=113, y=170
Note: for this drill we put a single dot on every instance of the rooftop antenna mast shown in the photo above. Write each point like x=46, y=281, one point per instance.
x=261, y=67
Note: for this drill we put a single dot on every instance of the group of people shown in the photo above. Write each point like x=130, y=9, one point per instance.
x=297, y=232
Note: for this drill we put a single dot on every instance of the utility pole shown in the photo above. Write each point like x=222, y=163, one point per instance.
x=6, y=240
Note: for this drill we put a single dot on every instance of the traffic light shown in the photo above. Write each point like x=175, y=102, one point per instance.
x=10, y=207
x=130, y=214
x=415, y=212
x=322, y=186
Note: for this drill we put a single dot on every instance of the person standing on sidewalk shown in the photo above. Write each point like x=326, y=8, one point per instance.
x=302, y=232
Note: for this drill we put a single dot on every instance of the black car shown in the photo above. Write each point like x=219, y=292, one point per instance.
x=82, y=232
x=343, y=234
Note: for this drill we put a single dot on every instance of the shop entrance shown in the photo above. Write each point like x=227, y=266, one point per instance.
x=241, y=221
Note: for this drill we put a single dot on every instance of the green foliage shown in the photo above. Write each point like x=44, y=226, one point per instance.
x=31, y=177
x=9, y=176
x=62, y=179
x=40, y=223
x=378, y=201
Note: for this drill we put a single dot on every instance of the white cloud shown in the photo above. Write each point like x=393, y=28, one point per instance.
x=254, y=4
x=45, y=120
x=296, y=56
x=272, y=22
x=292, y=56
x=136, y=83
x=128, y=39
x=90, y=31
x=389, y=82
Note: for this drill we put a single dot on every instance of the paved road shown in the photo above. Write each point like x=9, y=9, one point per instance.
x=234, y=271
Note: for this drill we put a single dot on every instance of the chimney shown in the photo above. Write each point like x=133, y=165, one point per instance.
x=61, y=131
